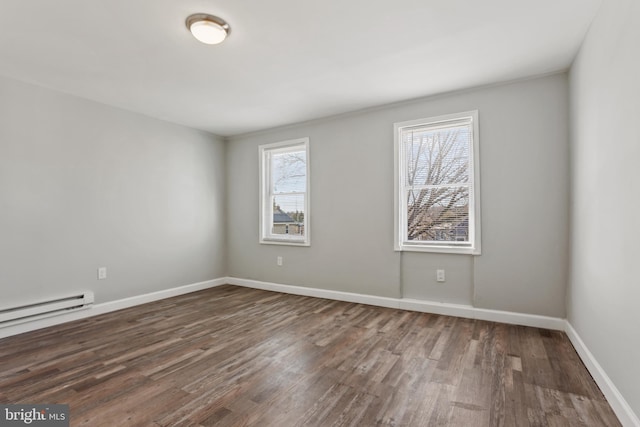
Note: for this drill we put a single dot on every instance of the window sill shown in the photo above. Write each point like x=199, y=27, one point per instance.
x=288, y=242
x=439, y=249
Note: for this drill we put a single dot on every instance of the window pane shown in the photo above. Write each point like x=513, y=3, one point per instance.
x=438, y=214
x=284, y=196
x=288, y=215
x=288, y=172
x=437, y=156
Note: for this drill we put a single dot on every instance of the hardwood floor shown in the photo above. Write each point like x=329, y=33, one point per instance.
x=232, y=356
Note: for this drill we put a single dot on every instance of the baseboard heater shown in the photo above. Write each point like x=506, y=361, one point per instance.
x=53, y=307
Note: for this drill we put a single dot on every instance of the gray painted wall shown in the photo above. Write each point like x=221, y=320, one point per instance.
x=603, y=291
x=525, y=192
x=83, y=185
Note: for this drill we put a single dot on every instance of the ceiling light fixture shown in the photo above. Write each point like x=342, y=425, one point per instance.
x=208, y=29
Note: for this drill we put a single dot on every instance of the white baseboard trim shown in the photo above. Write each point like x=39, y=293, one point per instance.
x=618, y=403
x=458, y=310
x=109, y=306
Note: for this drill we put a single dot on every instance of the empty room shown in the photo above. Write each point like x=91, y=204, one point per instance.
x=304, y=213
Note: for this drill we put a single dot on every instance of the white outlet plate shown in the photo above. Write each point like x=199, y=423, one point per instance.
x=440, y=275
x=279, y=261
x=102, y=273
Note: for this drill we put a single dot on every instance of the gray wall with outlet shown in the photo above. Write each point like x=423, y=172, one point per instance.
x=524, y=193
x=86, y=186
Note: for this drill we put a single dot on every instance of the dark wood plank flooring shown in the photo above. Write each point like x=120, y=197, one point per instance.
x=232, y=356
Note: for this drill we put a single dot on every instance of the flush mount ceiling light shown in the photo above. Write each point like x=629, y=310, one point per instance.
x=208, y=29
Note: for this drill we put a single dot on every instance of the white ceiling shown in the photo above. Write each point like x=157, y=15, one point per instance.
x=286, y=60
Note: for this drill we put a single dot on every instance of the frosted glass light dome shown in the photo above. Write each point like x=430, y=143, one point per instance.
x=208, y=29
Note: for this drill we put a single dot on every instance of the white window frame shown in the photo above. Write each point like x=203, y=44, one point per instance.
x=266, y=194
x=473, y=247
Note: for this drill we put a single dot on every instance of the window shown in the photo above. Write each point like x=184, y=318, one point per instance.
x=284, y=192
x=437, y=184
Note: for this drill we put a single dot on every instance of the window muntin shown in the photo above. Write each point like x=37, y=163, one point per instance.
x=284, y=193
x=437, y=206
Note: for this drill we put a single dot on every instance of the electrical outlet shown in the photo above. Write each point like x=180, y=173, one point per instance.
x=102, y=273
x=279, y=261
x=440, y=275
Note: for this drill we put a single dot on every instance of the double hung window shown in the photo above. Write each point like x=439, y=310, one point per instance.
x=437, y=184
x=284, y=192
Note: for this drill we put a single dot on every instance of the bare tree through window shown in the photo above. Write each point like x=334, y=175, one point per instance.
x=437, y=183
x=285, y=193
x=289, y=175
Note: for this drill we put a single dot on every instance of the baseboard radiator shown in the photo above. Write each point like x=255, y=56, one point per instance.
x=54, y=307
